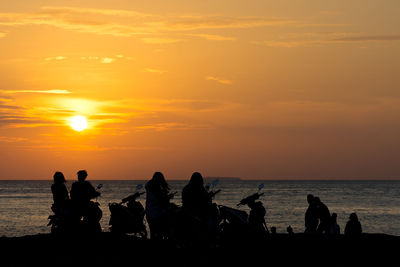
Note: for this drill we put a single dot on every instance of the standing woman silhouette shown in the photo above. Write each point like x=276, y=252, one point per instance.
x=157, y=203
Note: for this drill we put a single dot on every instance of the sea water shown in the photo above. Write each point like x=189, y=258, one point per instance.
x=25, y=205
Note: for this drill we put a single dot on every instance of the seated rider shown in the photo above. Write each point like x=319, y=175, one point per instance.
x=82, y=192
x=60, y=194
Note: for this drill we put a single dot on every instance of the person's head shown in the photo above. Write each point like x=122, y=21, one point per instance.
x=334, y=217
x=59, y=178
x=196, y=179
x=159, y=179
x=82, y=174
x=273, y=230
x=353, y=217
x=310, y=198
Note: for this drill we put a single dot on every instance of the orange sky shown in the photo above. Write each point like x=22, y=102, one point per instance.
x=253, y=89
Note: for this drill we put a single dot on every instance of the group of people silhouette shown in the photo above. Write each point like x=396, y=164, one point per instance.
x=76, y=209
x=79, y=211
x=318, y=219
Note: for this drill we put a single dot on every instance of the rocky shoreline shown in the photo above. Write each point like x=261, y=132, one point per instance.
x=107, y=249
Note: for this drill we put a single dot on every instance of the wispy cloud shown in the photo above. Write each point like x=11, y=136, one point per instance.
x=369, y=38
x=219, y=80
x=150, y=28
x=160, y=40
x=55, y=58
x=214, y=37
x=55, y=91
x=173, y=126
x=330, y=38
x=151, y=70
x=107, y=60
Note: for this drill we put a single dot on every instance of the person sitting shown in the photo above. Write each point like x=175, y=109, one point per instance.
x=334, y=228
x=257, y=222
x=82, y=192
x=353, y=226
x=157, y=203
x=59, y=190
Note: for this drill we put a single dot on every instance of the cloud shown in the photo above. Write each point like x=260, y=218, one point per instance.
x=154, y=71
x=214, y=37
x=55, y=91
x=321, y=39
x=55, y=58
x=85, y=11
x=369, y=38
x=107, y=60
x=129, y=23
x=219, y=80
x=11, y=139
x=158, y=40
x=160, y=127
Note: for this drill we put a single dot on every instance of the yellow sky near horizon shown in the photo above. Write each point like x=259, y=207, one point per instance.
x=253, y=89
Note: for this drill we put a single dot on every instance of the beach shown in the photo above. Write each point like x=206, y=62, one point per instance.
x=276, y=250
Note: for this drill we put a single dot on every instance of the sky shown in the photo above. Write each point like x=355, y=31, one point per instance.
x=300, y=89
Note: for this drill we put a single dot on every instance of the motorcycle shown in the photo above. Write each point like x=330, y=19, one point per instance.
x=236, y=223
x=127, y=216
x=67, y=219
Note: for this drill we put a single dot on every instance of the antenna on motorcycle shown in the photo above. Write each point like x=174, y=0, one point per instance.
x=99, y=186
x=261, y=186
x=207, y=187
x=215, y=182
x=139, y=186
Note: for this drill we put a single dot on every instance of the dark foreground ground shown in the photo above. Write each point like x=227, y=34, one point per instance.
x=279, y=250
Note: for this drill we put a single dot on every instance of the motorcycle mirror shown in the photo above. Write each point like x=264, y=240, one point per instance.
x=99, y=186
x=261, y=186
x=139, y=186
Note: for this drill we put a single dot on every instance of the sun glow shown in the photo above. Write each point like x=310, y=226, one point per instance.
x=78, y=123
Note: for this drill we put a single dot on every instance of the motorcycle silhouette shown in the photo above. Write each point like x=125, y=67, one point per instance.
x=127, y=216
x=236, y=223
x=66, y=219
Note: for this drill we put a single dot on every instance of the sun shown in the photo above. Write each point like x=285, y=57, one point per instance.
x=78, y=123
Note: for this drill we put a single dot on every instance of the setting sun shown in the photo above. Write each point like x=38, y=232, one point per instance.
x=78, y=123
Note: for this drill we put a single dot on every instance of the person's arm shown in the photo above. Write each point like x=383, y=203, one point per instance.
x=92, y=192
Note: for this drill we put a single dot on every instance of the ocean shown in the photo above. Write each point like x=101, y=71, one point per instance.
x=25, y=205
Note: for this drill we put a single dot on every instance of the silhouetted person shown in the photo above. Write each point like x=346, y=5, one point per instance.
x=257, y=218
x=334, y=228
x=62, y=219
x=289, y=229
x=82, y=192
x=353, y=226
x=59, y=190
x=311, y=216
x=195, y=199
x=157, y=203
x=323, y=215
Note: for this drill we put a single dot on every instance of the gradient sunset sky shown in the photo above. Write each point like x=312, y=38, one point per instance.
x=253, y=89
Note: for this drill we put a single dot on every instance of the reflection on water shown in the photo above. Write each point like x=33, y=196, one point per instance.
x=25, y=205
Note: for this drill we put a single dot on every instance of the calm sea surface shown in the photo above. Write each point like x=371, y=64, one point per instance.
x=25, y=205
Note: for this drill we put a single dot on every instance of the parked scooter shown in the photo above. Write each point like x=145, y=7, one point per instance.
x=127, y=216
x=257, y=213
x=238, y=224
x=65, y=219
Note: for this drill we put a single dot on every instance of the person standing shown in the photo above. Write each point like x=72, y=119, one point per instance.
x=157, y=203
